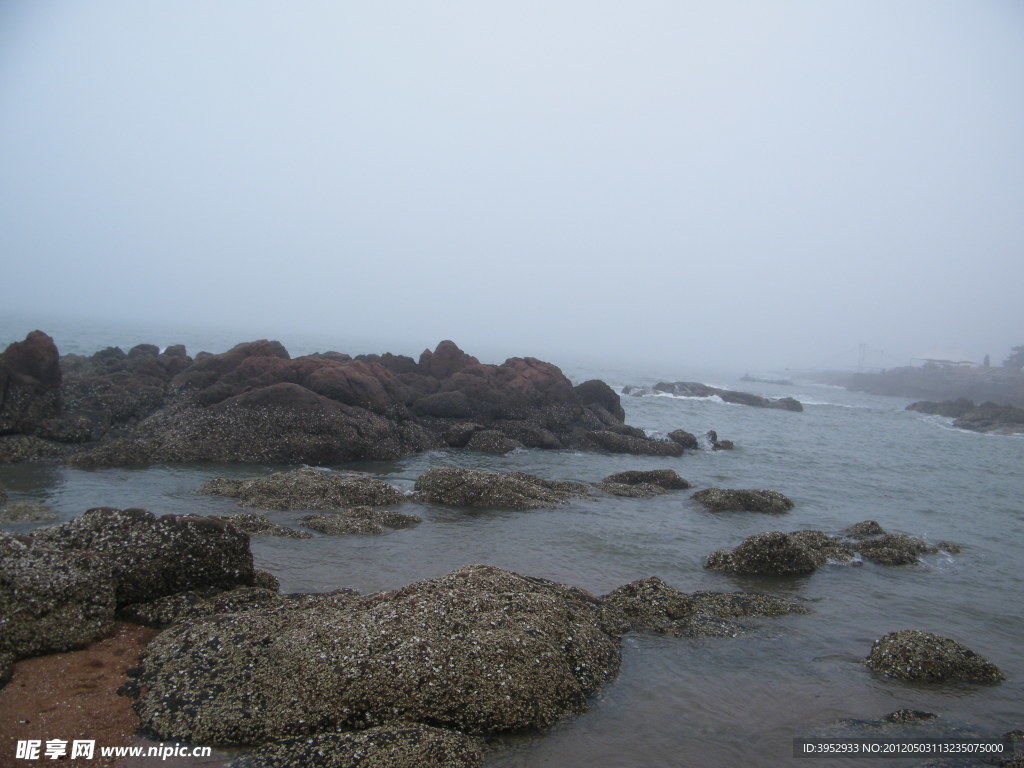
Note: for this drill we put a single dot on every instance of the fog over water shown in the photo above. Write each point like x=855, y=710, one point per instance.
x=745, y=184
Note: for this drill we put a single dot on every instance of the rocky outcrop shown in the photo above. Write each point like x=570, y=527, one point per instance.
x=922, y=656
x=480, y=650
x=150, y=557
x=51, y=599
x=305, y=488
x=403, y=745
x=256, y=524
x=745, y=500
x=359, y=520
x=696, y=389
x=458, y=487
x=987, y=417
x=255, y=403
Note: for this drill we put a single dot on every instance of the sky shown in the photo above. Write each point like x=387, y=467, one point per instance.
x=744, y=183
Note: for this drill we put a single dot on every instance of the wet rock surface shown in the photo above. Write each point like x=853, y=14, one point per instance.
x=480, y=650
x=256, y=524
x=403, y=745
x=26, y=512
x=654, y=606
x=746, y=500
x=618, y=442
x=458, y=487
x=306, y=488
x=51, y=599
x=150, y=557
x=772, y=553
x=922, y=656
x=359, y=520
x=664, y=478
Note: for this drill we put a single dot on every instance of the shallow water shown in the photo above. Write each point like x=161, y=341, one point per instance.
x=708, y=702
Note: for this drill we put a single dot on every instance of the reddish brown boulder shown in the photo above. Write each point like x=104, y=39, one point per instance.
x=445, y=360
x=29, y=384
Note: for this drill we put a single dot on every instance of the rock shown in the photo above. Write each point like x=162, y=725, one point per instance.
x=30, y=379
x=400, y=745
x=150, y=557
x=364, y=520
x=51, y=599
x=616, y=442
x=6, y=667
x=632, y=490
x=446, y=359
x=480, y=650
x=901, y=716
x=892, y=549
x=989, y=417
x=597, y=393
x=266, y=580
x=664, y=478
x=865, y=528
x=922, y=656
x=256, y=524
x=27, y=512
x=458, y=487
x=952, y=409
x=194, y=604
x=306, y=488
x=652, y=605
x=3, y=495
x=825, y=547
x=684, y=438
x=696, y=389
x=492, y=441
x=722, y=500
x=772, y=553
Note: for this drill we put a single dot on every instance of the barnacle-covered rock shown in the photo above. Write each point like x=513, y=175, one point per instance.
x=746, y=500
x=306, y=488
x=479, y=650
x=192, y=604
x=913, y=655
x=27, y=512
x=771, y=553
x=365, y=520
x=458, y=487
x=256, y=524
x=403, y=745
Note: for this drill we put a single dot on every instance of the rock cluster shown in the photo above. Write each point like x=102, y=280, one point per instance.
x=458, y=487
x=912, y=655
x=987, y=417
x=255, y=403
x=778, y=553
x=306, y=488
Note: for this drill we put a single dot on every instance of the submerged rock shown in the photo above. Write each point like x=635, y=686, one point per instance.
x=256, y=524
x=652, y=605
x=865, y=528
x=772, y=553
x=684, y=438
x=725, y=500
x=618, y=442
x=402, y=745
x=480, y=650
x=306, y=488
x=664, y=478
x=150, y=557
x=365, y=520
x=901, y=716
x=458, y=487
x=912, y=655
x=893, y=549
x=51, y=599
x=27, y=512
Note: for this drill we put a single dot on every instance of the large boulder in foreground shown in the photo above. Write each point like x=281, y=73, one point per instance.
x=745, y=500
x=480, y=650
x=922, y=656
x=306, y=488
x=404, y=745
x=458, y=487
x=51, y=599
x=773, y=553
x=150, y=557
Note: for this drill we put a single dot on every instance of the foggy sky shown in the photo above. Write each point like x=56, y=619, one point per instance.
x=762, y=184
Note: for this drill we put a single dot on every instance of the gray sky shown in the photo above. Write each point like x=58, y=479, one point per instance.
x=761, y=184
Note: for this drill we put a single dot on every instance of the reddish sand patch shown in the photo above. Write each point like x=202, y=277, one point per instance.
x=71, y=696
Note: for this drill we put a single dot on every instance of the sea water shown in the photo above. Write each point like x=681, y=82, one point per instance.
x=684, y=702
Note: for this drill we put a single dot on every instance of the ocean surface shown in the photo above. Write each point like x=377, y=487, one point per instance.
x=847, y=457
